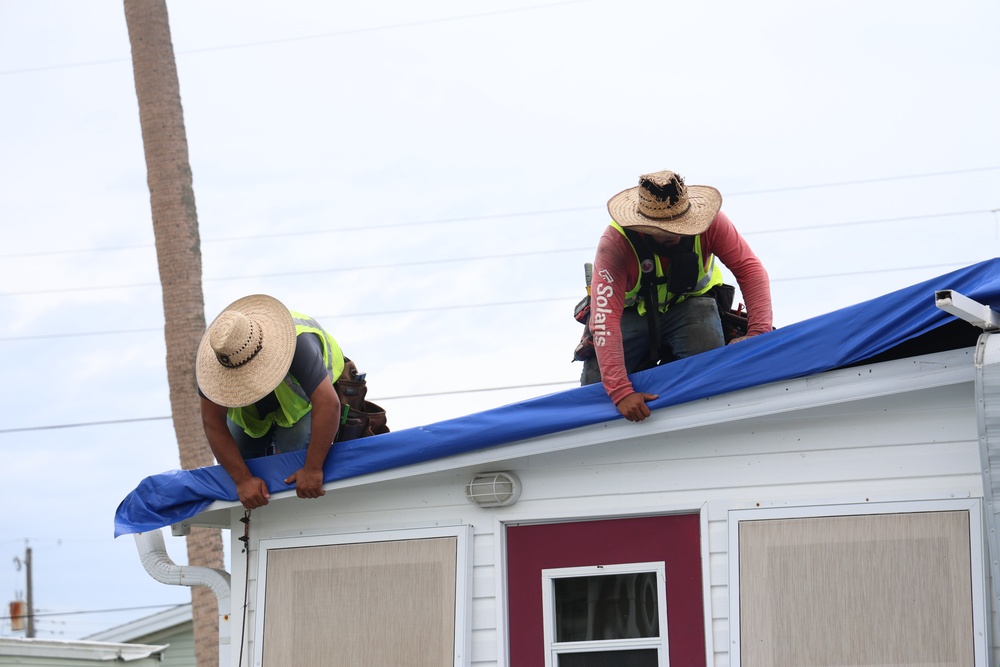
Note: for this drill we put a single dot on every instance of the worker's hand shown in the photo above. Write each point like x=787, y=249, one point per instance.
x=738, y=340
x=633, y=407
x=308, y=482
x=253, y=493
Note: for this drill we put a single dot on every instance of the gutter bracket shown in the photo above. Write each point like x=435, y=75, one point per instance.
x=967, y=309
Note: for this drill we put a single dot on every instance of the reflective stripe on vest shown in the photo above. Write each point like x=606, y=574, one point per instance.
x=293, y=403
x=707, y=278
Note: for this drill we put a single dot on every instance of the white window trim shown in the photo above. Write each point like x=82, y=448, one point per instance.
x=980, y=620
x=463, y=576
x=553, y=648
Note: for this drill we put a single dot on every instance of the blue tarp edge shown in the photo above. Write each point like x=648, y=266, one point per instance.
x=819, y=344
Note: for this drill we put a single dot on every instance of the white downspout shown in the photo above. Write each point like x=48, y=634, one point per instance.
x=154, y=557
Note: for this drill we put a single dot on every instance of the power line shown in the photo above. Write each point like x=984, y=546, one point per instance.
x=51, y=427
x=313, y=232
x=286, y=274
x=401, y=311
x=546, y=212
x=489, y=389
x=464, y=306
x=95, y=611
x=835, y=225
x=340, y=33
x=863, y=182
x=449, y=260
x=107, y=422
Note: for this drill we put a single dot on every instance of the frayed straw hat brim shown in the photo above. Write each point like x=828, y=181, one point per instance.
x=705, y=204
x=252, y=381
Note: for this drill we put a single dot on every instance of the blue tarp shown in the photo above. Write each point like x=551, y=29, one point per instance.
x=834, y=340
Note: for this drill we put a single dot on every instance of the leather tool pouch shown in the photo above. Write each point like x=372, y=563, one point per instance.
x=734, y=320
x=360, y=417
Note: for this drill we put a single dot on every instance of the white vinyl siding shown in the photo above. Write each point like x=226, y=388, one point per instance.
x=903, y=442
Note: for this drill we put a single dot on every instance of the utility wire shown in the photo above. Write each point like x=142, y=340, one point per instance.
x=463, y=306
x=286, y=274
x=269, y=42
x=344, y=316
x=464, y=391
x=547, y=212
x=96, y=611
x=451, y=260
x=381, y=399
x=838, y=184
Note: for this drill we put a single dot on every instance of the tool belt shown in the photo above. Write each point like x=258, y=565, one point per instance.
x=359, y=417
x=734, y=320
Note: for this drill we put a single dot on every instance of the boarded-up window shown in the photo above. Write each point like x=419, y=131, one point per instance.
x=881, y=589
x=376, y=603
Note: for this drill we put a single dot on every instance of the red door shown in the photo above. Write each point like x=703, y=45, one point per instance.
x=673, y=539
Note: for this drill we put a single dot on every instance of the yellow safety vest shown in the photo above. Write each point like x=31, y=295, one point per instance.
x=293, y=403
x=707, y=278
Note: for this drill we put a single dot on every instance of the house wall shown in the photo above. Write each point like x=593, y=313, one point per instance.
x=180, y=645
x=911, y=445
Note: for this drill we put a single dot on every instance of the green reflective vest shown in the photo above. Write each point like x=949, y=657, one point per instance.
x=293, y=403
x=707, y=278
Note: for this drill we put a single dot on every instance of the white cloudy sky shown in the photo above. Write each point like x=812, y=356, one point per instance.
x=427, y=179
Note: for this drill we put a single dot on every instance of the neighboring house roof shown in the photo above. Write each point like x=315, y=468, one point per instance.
x=73, y=652
x=902, y=323
x=145, y=626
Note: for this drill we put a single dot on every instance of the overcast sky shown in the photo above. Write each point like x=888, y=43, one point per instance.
x=427, y=179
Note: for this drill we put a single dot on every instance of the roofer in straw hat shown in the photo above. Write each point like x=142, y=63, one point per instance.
x=266, y=380
x=684, y=232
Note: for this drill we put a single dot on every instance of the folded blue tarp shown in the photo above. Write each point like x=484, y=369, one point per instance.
x=834, y=340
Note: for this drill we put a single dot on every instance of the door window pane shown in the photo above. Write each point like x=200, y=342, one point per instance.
x=600, y=607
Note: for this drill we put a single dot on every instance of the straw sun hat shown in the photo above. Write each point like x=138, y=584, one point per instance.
x=246, y=351
x=663, y=203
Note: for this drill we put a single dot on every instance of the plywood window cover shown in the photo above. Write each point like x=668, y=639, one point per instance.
x=977, y=634
x=463, y=587
x=553, y=648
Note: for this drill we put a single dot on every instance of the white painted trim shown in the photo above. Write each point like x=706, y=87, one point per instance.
x=980, y=618
x=463, y=575
x=500, y=584
x=504, y=519
x=706, y=585
x=75, y=649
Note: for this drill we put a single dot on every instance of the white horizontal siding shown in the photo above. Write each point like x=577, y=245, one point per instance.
x=908, y=445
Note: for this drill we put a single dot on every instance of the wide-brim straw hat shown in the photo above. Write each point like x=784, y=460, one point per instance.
x=662, y=202
x=246, y=351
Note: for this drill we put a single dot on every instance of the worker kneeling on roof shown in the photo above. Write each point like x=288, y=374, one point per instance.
x=662, y=245
x=272, y=381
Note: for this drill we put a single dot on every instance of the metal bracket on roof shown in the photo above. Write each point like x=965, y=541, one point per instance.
x=967, y=309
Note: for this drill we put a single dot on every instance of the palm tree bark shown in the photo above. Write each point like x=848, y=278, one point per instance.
x=178, y=254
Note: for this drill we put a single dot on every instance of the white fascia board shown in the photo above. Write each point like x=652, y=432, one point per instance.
x=77, y=650
x=838, y=386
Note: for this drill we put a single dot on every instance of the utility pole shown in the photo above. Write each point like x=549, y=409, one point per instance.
x=29, y=601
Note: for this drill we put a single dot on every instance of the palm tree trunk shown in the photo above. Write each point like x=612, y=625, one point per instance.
x=178, y=254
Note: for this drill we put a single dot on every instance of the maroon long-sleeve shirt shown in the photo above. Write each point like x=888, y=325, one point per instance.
x=616, y=271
